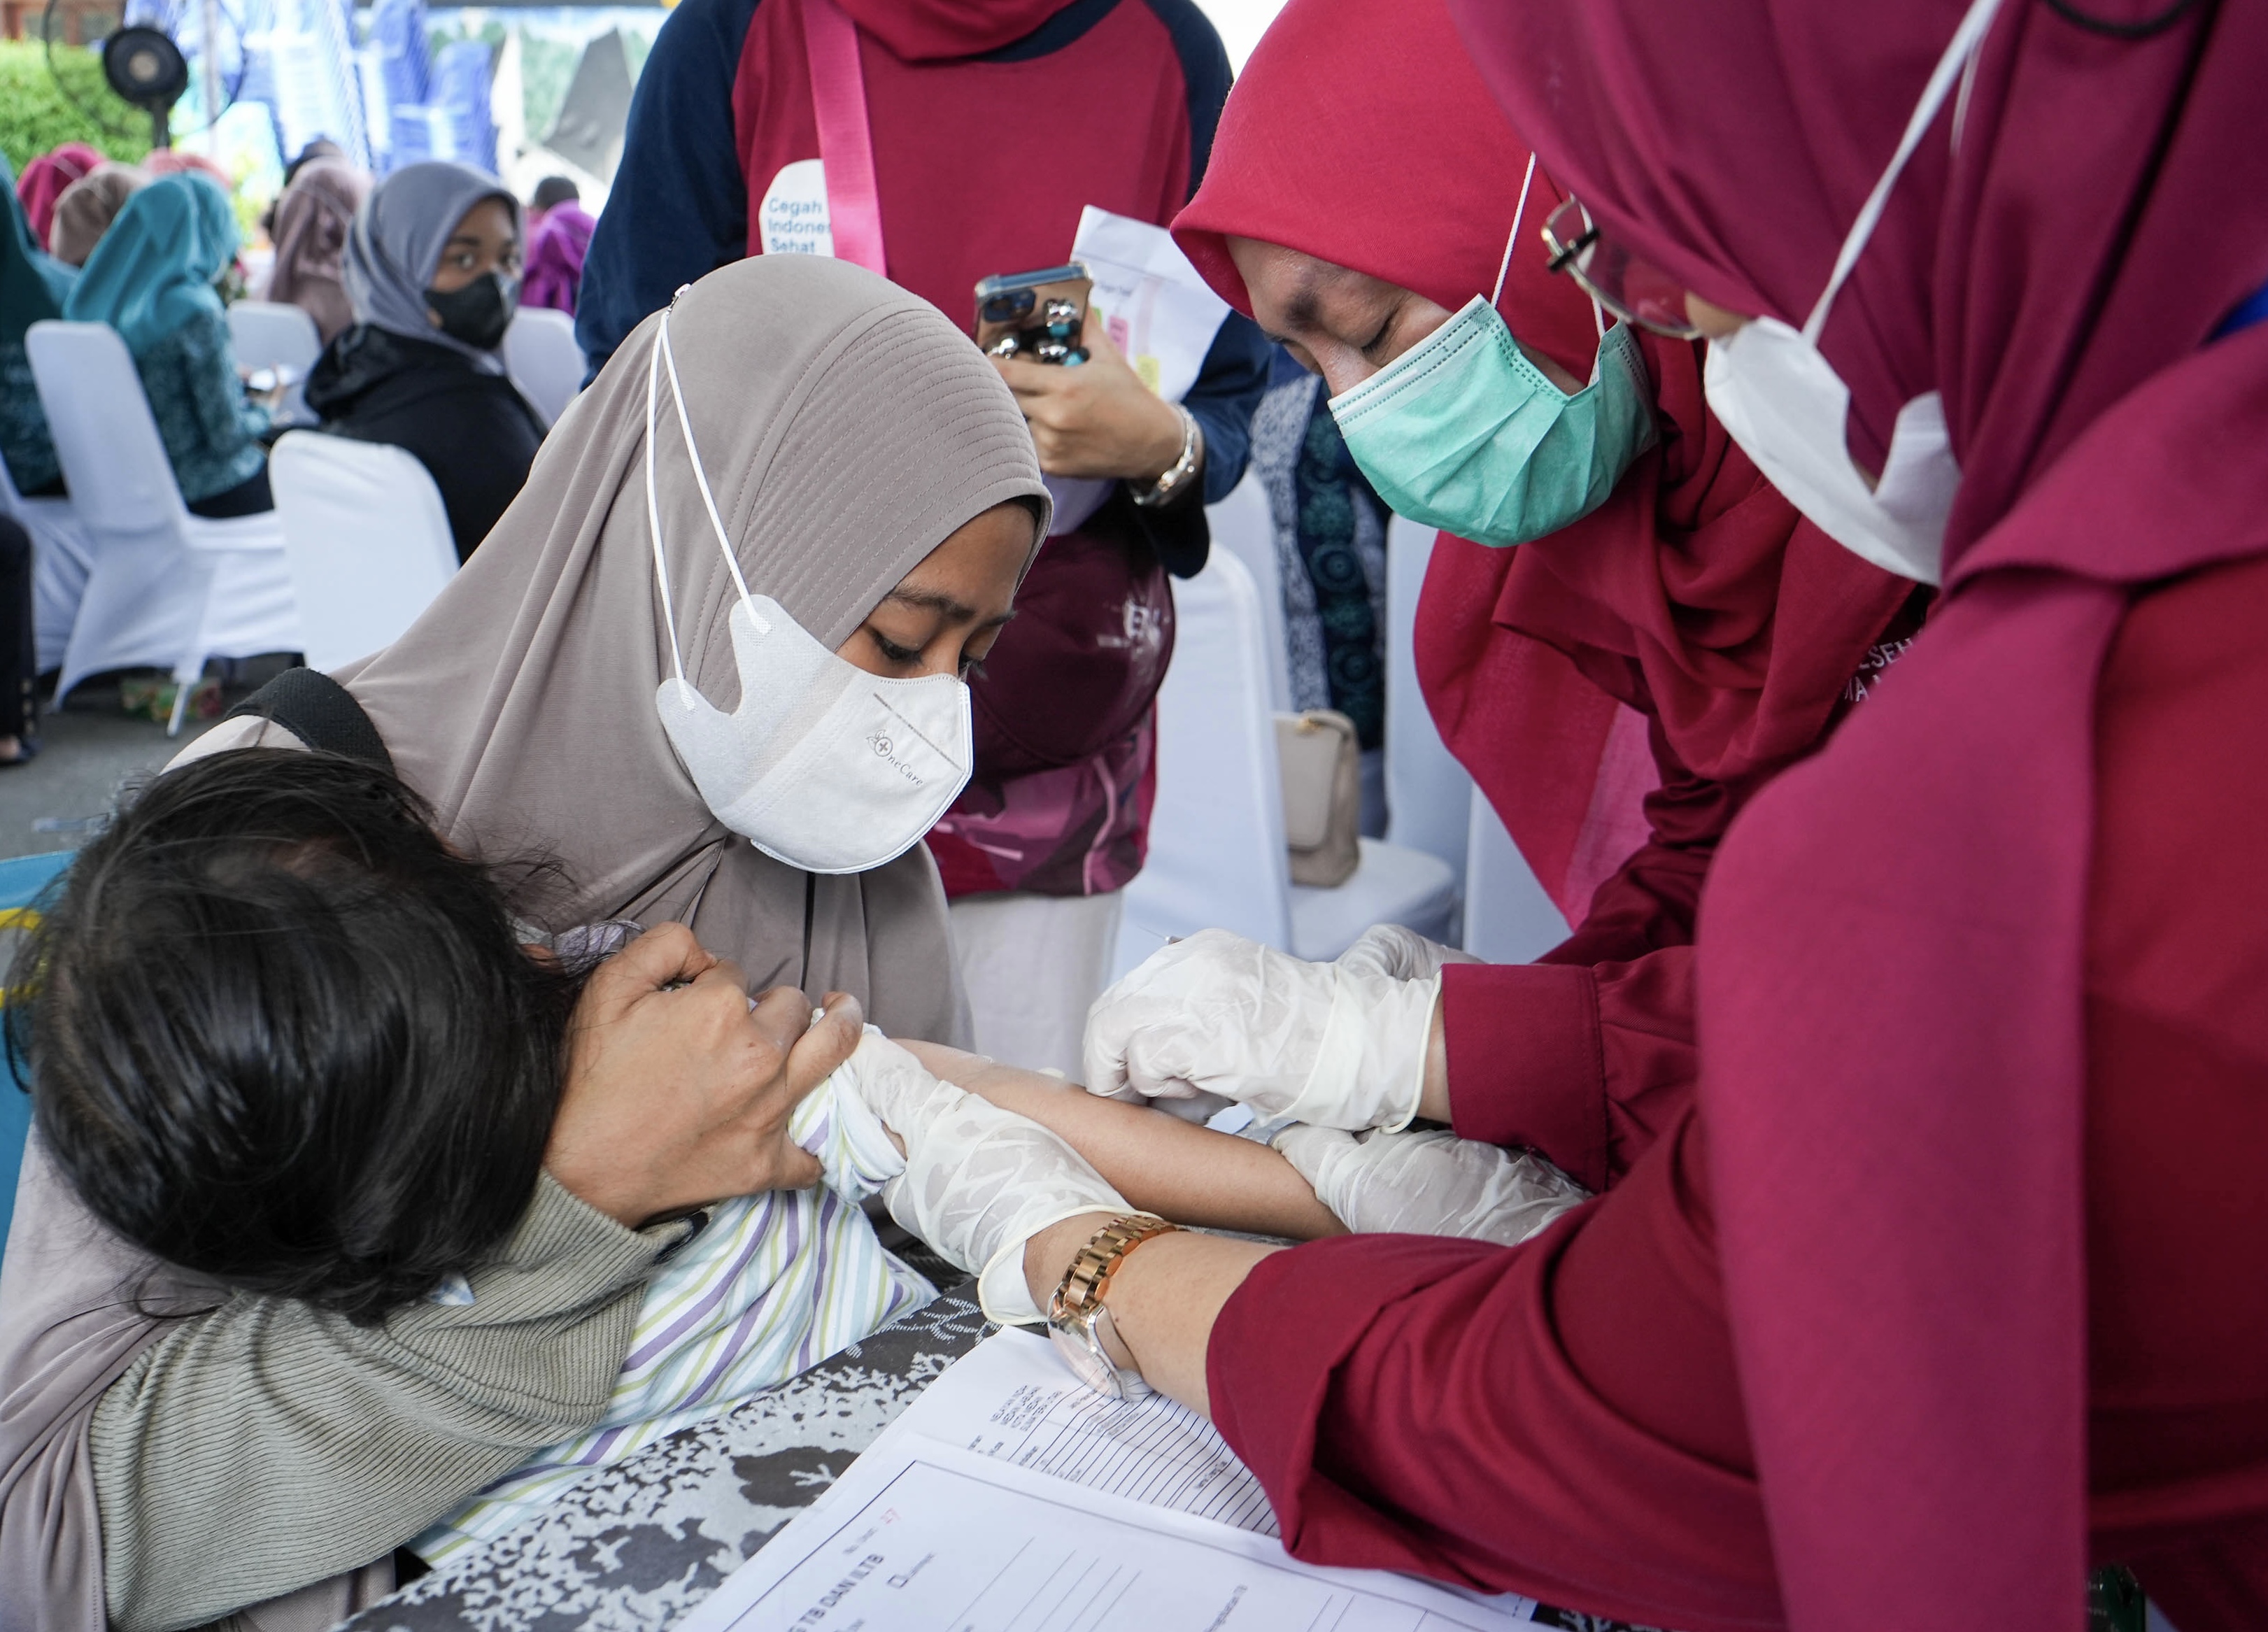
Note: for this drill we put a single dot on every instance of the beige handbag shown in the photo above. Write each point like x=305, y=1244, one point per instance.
x=1321, y=767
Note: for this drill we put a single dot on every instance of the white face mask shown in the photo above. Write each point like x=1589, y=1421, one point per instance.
x=1787, y=407
x=823, y=765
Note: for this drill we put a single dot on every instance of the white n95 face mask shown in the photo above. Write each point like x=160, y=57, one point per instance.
x=1780, y=399
x=822, y=766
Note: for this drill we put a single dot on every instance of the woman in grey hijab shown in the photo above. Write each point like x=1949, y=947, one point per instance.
x=432, y=271
x=167, y=1471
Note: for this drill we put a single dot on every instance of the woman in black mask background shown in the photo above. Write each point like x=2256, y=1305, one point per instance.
x=432, y=268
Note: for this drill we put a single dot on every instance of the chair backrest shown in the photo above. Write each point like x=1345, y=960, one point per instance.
x=366, y=539
x=273, y=333
x=269, y=333
x=22, y=877
x=1429, y=795
x=106, y=438
x=1508, y=918
x=1216, y=854
x=545, y=363
x=1244, y=524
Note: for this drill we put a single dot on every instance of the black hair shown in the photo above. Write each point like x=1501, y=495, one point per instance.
x=280, y=1033
x=553, y=191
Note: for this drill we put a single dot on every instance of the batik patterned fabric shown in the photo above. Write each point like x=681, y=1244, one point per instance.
x=768, y=1287
x=1331, y=539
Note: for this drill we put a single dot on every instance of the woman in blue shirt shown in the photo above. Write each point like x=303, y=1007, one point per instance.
x=151, y=278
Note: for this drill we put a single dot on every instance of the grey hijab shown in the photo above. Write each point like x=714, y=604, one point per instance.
x=847, y=429
x=395, y=248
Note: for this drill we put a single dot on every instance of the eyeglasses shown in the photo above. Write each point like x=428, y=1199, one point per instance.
x=1635, y=291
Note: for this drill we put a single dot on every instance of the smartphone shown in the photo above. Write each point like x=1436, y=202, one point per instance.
x=1035, y=315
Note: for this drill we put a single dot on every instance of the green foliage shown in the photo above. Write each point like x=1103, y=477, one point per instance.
x=546, y=66
x=36, y=115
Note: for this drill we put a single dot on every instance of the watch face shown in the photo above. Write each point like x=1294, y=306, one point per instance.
x=1085, y=1360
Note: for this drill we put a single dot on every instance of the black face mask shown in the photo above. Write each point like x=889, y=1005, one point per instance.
x=478, y=313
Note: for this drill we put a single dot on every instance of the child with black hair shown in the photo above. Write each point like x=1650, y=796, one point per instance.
x=305, y=1223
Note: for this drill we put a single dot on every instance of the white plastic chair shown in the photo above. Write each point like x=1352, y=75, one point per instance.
x=166, y=587
x=63, y=555
x=366, y=539
x=1244, y=524
x=1429, y=795
x=541, y=355
x=273, y=333
x=1217, y=856
x=1508, y=918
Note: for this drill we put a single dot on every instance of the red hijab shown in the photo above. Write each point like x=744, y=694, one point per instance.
x=1892, y=1021
x=1696, y=593
x=46, y=177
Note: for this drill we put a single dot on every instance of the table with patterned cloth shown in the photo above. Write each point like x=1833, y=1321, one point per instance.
x=639, y=1544
x=633, y=1548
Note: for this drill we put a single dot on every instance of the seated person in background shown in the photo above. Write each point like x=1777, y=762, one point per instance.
x=33, y=286
x=313, y=218
x=559, y=238
x=151, y=278
x=45, y=178
x=393, y=1178
x=87, y=206
x=432, y=268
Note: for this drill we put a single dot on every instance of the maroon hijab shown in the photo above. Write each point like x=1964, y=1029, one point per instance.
x=45, y=180
x=1696, y=591
x=1891, y=951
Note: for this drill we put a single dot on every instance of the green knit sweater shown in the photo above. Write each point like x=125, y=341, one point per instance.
x=266, y=1445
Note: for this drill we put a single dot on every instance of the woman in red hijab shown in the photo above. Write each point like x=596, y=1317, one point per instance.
x=45, y=178
x=1679, y=645
x=1948, y=1281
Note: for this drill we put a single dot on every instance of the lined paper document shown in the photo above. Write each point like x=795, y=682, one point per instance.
x=920, y=1537
x=1010, y=1498
x=1012, y=1399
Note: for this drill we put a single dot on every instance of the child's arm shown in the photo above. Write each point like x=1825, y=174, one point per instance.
x=1162, y=1164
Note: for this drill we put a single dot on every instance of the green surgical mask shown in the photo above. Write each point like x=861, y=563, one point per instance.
x=1464, y=433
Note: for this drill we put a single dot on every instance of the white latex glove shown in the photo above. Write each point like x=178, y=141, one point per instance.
x=1428, y=1183
x=1339, y=1045
x=979, y=1181
x=836, y=1124
x=1403, y=955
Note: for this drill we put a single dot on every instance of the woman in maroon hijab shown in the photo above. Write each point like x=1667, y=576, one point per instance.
x=1679, y=645
x=46, y=178
x=1948, y=1284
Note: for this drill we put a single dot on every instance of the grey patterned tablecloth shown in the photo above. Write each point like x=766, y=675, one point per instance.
x=639, y=1544
x=633, y=1548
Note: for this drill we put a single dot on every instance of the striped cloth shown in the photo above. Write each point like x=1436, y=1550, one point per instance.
x=769, y=1287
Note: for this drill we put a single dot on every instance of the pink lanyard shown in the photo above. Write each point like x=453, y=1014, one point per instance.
x=846, y=146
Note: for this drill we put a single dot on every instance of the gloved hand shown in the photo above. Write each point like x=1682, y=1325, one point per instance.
x=1428, y=1183
x=979, y=1181
x=1339, y=1045
x=836, y=1125
x=1403, y=954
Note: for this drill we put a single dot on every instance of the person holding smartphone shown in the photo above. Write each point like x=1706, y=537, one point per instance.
x=990, y=128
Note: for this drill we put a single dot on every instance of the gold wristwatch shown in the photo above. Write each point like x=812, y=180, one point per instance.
x=1079, y=1321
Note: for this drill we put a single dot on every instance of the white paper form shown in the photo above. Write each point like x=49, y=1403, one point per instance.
x=923, y=1538
x=1012, y=1399
x=1157, y=310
